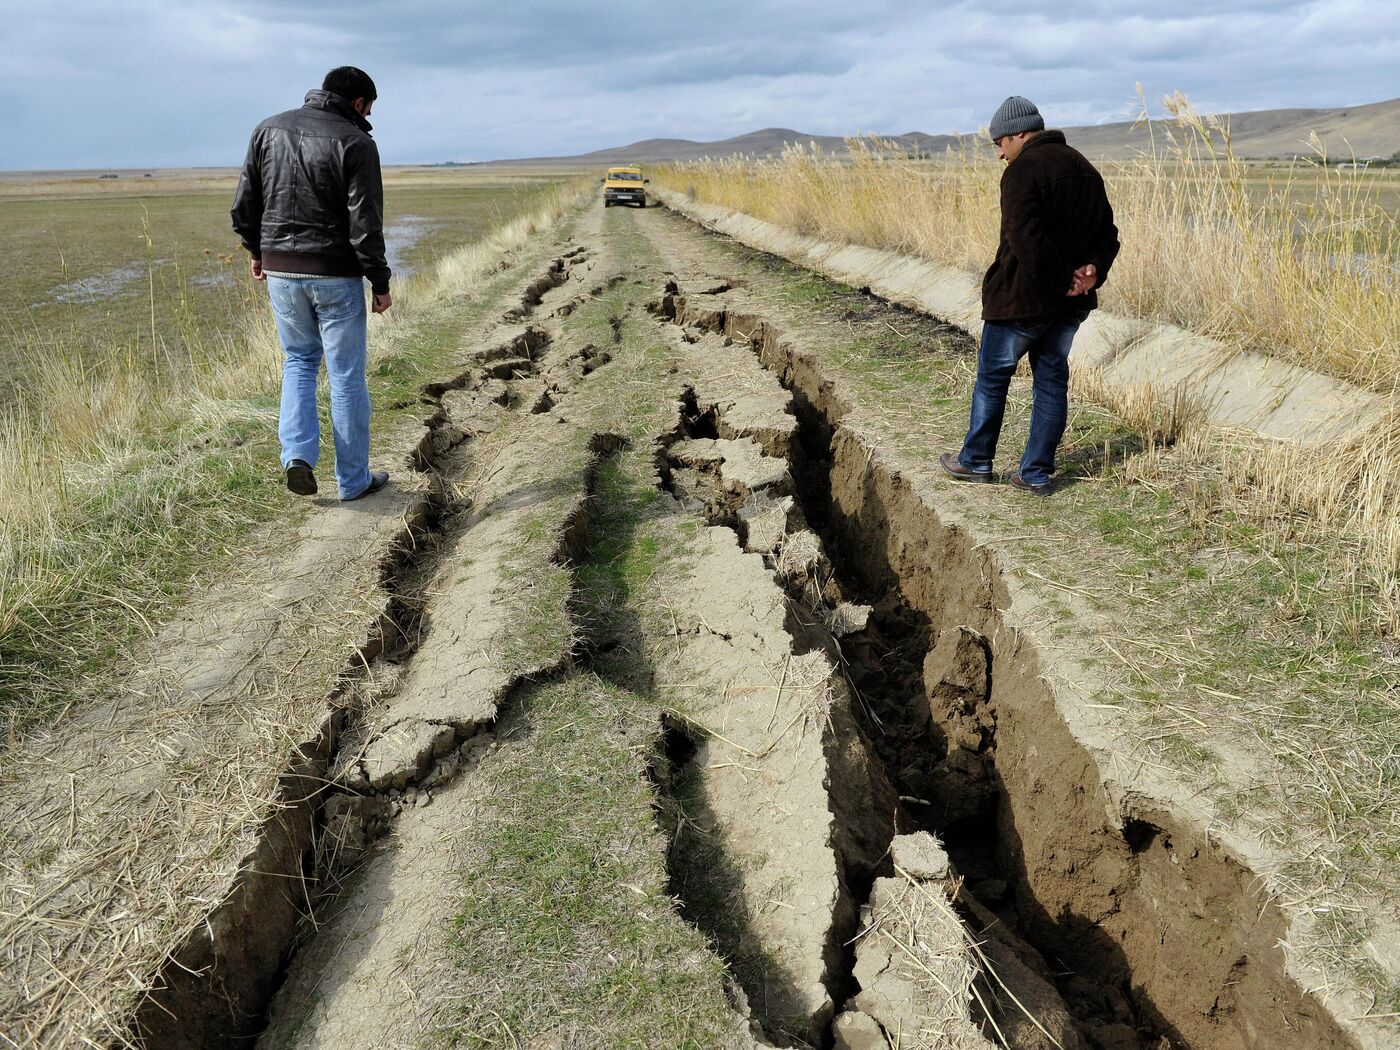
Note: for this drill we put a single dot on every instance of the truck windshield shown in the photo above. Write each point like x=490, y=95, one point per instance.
x=624, y=176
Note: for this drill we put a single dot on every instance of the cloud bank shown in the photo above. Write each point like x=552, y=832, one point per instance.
x=166, y=83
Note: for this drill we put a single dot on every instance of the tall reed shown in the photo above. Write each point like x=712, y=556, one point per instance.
x=1302, y=263
x=1299, y=262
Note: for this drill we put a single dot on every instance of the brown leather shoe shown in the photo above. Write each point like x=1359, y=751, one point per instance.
x=954, y=469
x=1017, y=482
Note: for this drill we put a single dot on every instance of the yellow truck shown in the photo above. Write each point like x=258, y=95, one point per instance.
x=624, y=185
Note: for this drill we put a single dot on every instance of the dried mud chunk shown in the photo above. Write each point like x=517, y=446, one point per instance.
x=352, y=823
x=956, y=686
x=920, y=855
x=741, y=464
x=764, y=522
x=847, y=619
x=404, y=752
x=858, y=1031
x=1024, y=1002
x=510, y=368
x=802, y=559
x=916, y=969
x=764, y=418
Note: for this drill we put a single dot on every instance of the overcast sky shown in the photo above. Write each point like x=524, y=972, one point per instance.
x=142, y=83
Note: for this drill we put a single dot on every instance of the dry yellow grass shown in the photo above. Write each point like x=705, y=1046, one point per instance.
x=1299, y=264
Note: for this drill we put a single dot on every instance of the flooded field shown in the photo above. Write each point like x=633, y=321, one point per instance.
x=97, y=266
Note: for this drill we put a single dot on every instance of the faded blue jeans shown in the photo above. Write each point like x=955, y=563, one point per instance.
x=324, y=317
x=1003, y=345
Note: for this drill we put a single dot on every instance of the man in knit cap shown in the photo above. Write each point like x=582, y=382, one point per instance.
x=1057, y=244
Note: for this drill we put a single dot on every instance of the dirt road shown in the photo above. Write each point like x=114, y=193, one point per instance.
x=695, y=710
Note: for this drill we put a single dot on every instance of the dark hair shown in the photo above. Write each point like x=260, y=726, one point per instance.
x=350, y=83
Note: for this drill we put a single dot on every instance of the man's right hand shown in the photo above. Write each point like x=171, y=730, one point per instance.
x=255, y=268
x=1084, y=280
x=382, y=302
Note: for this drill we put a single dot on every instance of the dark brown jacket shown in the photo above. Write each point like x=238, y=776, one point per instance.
x=1055, y=217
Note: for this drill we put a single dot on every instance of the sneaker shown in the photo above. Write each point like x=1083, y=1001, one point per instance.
x=377, y=480
x=1017, y=482
x=950, y=464
x=300, y=478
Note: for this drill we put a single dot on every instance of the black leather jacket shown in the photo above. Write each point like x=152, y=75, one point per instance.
x=310, y=199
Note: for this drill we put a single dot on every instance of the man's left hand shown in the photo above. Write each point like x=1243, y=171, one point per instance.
x=1084, y=280
x=255, y=268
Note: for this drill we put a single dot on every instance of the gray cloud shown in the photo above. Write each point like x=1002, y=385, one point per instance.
x=169, y=82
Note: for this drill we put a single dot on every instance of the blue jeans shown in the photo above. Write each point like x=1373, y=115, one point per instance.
x=324, y=317
x=1003, y=346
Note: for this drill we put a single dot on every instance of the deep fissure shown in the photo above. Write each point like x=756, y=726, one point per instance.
x=949, y=787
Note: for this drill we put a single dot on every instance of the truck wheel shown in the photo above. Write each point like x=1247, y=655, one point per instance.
x=607, y=204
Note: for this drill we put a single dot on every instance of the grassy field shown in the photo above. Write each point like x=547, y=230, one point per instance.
x=125, y=478
x=150, y=267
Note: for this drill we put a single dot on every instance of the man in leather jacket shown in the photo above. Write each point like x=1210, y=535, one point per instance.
x=1057, y=243
x=310, y=210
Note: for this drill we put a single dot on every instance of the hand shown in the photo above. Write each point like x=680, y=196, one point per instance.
x=255, y=268
x=1084, y=280
x=382, y=302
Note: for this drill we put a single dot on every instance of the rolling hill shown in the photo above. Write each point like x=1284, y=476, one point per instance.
x=1371, y=130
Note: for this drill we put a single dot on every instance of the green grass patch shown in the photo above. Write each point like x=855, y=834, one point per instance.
x=570, y=913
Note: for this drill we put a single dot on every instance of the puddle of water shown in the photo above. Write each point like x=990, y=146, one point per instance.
x=216, y=279
x=400, y=238
x=100, y=286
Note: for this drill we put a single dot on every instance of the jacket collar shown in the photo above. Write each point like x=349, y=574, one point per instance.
x=1044, y=137
x=329, y=100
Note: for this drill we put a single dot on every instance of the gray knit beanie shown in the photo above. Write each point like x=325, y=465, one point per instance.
x=1014, y=116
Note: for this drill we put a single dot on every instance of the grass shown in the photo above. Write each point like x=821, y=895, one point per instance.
x=572, y=911
x=1280, y=249
x=123, y=483
x=156, y=273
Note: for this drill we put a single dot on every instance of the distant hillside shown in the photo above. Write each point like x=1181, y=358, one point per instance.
x=1367, y=131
